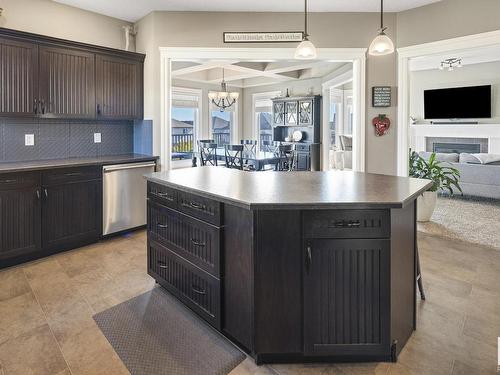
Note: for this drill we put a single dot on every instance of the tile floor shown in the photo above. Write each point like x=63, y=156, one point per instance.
x=46, y=308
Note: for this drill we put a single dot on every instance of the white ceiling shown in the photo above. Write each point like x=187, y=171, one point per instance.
x=245, y=74
x=133, y=10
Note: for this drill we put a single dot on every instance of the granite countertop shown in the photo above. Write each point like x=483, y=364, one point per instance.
x=22, y=166
x=332, y=189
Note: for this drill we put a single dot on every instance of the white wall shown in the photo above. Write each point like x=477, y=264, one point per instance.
x=468, y=75
x=61, y=21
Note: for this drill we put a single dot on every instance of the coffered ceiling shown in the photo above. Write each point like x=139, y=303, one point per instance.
x=250, y=73
x=133, y=10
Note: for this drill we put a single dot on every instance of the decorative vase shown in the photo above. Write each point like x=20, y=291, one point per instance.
x=426, y=205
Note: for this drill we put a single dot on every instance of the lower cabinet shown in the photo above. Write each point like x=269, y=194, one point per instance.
x=346, y=297
x=19, y=217
x=71, y=214
x=46, y=212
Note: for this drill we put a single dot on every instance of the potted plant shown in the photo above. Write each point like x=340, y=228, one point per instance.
x=443, y=177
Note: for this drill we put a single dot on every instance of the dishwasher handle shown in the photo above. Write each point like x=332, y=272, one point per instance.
x=119, y=167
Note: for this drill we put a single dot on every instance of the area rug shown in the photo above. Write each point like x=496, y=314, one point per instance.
x=470, y=219
x=154, y=334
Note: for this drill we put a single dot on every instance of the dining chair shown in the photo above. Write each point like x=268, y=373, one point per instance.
x=234, y=156
x=270, y=146
x=249, y=145
x=207, y=149
x=287, y=157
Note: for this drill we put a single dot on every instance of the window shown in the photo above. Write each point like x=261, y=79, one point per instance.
x=185, y=122
x=222, y=126
x=262, y=105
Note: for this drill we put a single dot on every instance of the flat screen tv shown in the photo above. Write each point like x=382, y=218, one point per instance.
x=458, y=103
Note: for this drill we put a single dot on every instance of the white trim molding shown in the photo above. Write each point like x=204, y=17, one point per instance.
x=357, y=56
x=405, y=54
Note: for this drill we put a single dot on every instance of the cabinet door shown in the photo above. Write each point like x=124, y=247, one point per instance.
x=302, y=163
x=67, y=79
x=305, y=112
x=278, y=113
x=291, y=113
x=71, y=214
x=119, y=93
x=346, y=297
x=18, y=78
x=19, y=222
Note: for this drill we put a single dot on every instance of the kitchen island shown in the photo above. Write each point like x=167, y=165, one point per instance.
x=291, y=266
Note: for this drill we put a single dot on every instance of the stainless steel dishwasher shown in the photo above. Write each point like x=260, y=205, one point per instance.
x=124, y=196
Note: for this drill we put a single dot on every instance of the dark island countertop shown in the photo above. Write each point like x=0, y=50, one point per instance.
x=307, y=190
x=33, y=165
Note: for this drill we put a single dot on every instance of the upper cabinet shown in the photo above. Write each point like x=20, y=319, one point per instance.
x=67, y=83
x=47, y=77
x=119, y=88
x=18, y=78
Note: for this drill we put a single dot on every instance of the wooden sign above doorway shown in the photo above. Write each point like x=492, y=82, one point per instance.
x=263, y=37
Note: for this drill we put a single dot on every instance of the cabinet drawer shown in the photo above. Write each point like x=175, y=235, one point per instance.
x=191, y=238
x=302, y=147
x=68, y=175
x=346, y=224
x=15, y=181
x=196, y=288
x=163, y=194
x=200, y=207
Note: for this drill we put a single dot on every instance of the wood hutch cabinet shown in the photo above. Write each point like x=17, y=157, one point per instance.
x=302, y=114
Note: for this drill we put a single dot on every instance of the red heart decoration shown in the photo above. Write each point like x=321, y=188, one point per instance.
x=382, y=124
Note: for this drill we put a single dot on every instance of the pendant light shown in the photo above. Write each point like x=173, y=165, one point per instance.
x=305, y=50
x=382, y=44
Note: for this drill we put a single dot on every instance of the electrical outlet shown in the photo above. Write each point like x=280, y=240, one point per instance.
x=29, y=139
x=97, y=137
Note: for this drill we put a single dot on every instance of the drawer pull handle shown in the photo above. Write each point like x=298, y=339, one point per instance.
x=162, y=265
x=353, y=224
x=7, y=181
x=37, y=194
x=164, y=196
x=196, y=205
x=198, y=290
x=162, y=226
x=197, y=243
x=73, y=174
x=46, y=193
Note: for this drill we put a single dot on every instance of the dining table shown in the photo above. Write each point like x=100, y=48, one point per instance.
x=254, y=159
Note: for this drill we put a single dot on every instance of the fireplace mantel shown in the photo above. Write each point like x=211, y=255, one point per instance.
x=419, y=132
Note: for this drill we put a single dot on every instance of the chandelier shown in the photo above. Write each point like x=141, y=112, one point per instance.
x=451, y=64
x=223, y=99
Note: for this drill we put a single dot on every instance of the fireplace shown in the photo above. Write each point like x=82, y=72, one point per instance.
x=457, y=148
x=456, y=145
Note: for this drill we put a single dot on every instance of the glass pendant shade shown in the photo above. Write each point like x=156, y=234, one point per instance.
x=212, y=95
x=223, y=94
x=234, y=95
x=305, y=51
x=381, y=45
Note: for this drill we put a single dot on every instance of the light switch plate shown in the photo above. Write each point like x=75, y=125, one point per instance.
x=29, y=139
x=97, y=137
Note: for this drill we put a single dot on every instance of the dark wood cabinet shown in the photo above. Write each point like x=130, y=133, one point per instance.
x=119, y=90
x=291, y=113
x=279, y=113
x=18, y=78
x=306, y=112
x=346, y=297
x=19, y=215
x=303, y=161
x=67, y=83
x=42, y=76
x=71, y=214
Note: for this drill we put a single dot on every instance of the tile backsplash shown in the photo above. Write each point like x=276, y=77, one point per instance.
x=56, y=139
